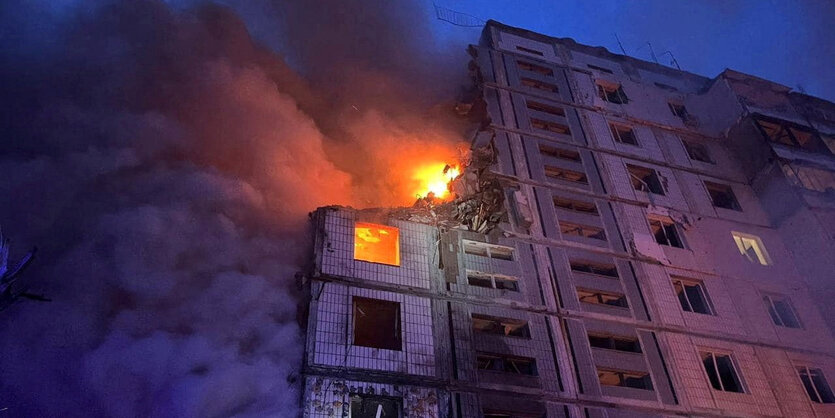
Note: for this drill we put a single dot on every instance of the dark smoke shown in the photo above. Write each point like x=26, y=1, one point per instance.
x=164, y=163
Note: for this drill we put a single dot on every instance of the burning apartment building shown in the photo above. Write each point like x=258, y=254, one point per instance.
x=625, y=239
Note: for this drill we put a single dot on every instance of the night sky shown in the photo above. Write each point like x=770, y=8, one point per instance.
x=164, y=156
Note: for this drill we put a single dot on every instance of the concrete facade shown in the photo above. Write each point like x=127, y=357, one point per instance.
x=652, y=231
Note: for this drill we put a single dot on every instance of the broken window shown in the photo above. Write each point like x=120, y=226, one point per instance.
x=697, y=152
x=600, y=269
x=623, y=134
x=539, y=85
x=665, y=232
x=810, y=178
x=542, y=107
x=598, y=297
x=751, y=247
x=559, y=153
x=373, y=406
x=636, y=380
x=601, y=69
x=722, y=196
x=721, y=372
x=815, y=384
x=559, y=173
x=486, y=324
x=678, y=109
x=550, y=126
x=484, y=249
x=376, y=243
x=645, y=179
x=791, y=134
x=692, y=296
x=529, y=50
x=588, y=231
x=781, y=311
x=611, y=342
x=612, y=93
x=506, y=364
x=575, y=205
x=492, y=281
x=527, y=66
x=377, y=323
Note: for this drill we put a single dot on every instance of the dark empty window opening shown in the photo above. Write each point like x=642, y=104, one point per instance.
x=601, y=69
x=484, y=249
x=565, y=174
x=588, y=231
x=721, y=372
x=377, y=323
x=575, y=205
x=371, y=406
x=623, y=134
x=611, y=342
x=697, y=152
x=790, y=134
x=722, y=196
x=508, y=327
x=645, y=179
x=815, y=384
x=600, y=269
x=612, y=93
x=665, y=233
x=666, y=86
x=492, y=281
x=550, y=126
x=635, y=380
x=692, y=296
x=597, y=297
x=529, y=50
x=540, y=85
x=561, y=154
x=781, y=311
x=527, y=66
x=678, y=109
x=506, y=364
x=541, y=107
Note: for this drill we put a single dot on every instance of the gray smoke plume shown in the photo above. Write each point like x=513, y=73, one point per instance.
x=164, y=163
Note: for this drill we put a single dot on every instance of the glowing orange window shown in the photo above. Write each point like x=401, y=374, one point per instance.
x=376, y=243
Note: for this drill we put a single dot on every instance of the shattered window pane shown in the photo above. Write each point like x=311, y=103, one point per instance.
x=751, y=247
x=370, y=406
x=376, y=243
x=377, y=323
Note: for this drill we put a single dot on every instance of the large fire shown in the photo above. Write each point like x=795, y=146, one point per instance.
x=434, y=179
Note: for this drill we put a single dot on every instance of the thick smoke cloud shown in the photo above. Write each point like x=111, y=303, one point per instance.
x=164, y=163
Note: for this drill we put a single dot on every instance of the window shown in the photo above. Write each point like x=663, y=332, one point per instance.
x=751, y=247
x=678, y=109
x=612, y=93
x=506, y=364
x=529, y=50
x=492, y=281
x=665, y=233
x=810, y=178
x=588, y=231
x=781, y=311
x=565, y=174
x=645, y=179
x=623, y=134
x=591, y=267
x=493, y=413
x=372, y=406
x=722, y=196
x=697, y=152
x=692, y=296
x=541, y=107
x=486, y=324
x=721, y=372
x=550, y=126
x=601, y=298
x=527, y=66
x=635, y=380
x=377, y=323
x=665, y=86
x=376, y=243
x=601, y=69
x=619, y=343
x=559, y=153
x=791, y=134
x=815, y=384
x=539, y=85
x=575, y=205
x=484, y=249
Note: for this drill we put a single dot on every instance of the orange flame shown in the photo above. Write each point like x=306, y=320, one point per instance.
x=435, y=179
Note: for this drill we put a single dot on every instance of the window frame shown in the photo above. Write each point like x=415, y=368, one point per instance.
x=599, y=297
x=678, y=109
x=505, y=360
x=653, y=173
x=574, y=205
x=534, y=68
x=667, y=224
x=368, y=258
x=592, y=265
x=616, y=128
x=787, y=133
x=612, y=342
x=560, y=153
x=762, y=256
x=539, y=85
x=722, y=188
x=611, y=92
x=693, y=149
x=830, y=397
x=737, y=374
x=545, y=108
x=398, y=323
x=623, y=375
x=550, y=126
x=702, y=291
x=494, y=279
x=770, y=300
x=561, y=173
x=397, y=401
x=594, y=232
x=491, y=251
x=503, y=323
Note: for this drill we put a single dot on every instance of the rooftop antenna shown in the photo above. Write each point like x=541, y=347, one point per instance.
x=674, y=60
x=651, y=52
x=620, y=45
x=457, y=18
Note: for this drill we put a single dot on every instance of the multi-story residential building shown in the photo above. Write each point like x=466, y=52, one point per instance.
x=659, y=242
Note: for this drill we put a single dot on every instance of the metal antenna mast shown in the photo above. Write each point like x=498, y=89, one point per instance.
x=674, y=60
x=620, y=45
